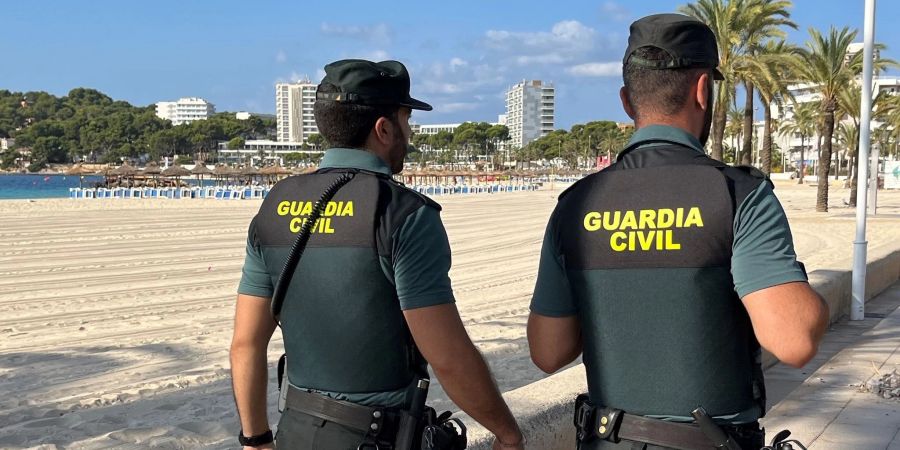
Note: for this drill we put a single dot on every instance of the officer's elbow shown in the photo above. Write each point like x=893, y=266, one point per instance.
x=547, y=363
x=796, y=352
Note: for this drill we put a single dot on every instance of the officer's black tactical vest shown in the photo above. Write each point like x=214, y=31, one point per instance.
x=341, y=320
x=647, y=245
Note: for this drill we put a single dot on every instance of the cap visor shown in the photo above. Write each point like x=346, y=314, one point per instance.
x=718, y=75
x=416, y=104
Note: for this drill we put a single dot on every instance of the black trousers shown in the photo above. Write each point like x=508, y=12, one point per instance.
x=299, y=431
x=749, y=437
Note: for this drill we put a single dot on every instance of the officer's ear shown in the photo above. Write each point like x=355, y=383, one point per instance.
x=384, y=131
x=703, y=91
x=626, y=105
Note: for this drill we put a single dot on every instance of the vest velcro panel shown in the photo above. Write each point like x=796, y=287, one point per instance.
x=647, y=248
x=341, y=320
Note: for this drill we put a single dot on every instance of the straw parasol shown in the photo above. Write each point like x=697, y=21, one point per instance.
x=152, y=168
x=249, y=171
x=125, y=170
x=276, y=169
x=176, y=171
x=80, y=171
x=221, y=170
x=200, y=169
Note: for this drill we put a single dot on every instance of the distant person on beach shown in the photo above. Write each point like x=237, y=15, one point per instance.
x=668, y=270
x=369, y=305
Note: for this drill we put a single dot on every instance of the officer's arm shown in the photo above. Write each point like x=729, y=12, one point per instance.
x=253, y=327
x=465, y=377
x=788, y=320
x=788, y=316
x=554, y=341
x=554, y=333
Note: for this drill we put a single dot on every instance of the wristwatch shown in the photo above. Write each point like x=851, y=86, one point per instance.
x=253, y=441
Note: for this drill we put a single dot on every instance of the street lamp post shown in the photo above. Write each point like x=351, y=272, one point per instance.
x=858, y=286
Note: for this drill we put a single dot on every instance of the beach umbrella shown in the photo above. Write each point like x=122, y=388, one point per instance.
x=200, y=169
x=152, y=169
x=80, y=171
x=125, y=170
x=248, y=171
x=176, y=171
x=275, y=171
x=223, y=171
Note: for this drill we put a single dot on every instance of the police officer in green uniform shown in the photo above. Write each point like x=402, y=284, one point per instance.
x=370, y=300
x=668, y=270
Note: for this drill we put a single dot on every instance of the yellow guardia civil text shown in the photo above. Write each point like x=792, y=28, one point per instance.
x=643, y=229
x=300, y=210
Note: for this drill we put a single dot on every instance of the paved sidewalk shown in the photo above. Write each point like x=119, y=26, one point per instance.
x=821, y=403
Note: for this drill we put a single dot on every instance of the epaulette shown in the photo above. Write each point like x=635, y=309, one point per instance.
x=426, y=199
x=756, y=173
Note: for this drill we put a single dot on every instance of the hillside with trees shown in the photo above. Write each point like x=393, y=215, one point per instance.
x=89, y=125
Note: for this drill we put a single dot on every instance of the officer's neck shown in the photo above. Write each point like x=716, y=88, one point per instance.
x=685, y=122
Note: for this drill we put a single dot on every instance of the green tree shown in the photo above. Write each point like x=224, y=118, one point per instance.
x=317, y=141
x=825, y=64
x=802, y=124
x=236, y=143
x=779, y=58
x=723, y=18
x=849, y=101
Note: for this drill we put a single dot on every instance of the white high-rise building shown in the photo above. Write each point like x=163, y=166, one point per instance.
x=530, y=111
x=294, y=111
x=185, y=110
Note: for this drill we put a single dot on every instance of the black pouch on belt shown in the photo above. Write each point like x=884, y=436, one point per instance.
x=442, y=432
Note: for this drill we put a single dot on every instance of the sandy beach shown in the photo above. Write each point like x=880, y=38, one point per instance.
x=116, y=315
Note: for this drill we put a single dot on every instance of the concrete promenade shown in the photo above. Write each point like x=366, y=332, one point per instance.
x=822, y=404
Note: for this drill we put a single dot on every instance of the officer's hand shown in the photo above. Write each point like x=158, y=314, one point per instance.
x=518, y=444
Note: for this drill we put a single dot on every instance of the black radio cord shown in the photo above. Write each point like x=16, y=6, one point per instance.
x=287, y=273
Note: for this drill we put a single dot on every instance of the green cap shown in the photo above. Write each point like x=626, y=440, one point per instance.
x=362, y=82
x=688, y=41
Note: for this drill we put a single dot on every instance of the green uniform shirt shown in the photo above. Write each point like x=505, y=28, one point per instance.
x=762, y=253
x=419, y=272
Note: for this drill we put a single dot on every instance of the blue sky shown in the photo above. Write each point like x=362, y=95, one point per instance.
x=462, y=54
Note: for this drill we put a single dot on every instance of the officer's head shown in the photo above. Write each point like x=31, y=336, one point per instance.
x=366, y=105
x=668, y=70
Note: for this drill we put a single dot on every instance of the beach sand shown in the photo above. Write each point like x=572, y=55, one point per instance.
x=116, y=315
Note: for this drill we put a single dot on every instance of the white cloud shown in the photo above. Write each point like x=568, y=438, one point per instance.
x=566, y=41
x=596, y=69
x=280, y=56
x=379, y=33
x=456, y=63
x=615, y=11
x=374, y=55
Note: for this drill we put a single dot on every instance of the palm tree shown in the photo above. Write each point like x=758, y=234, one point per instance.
x=760, y=21
x=772, y=85
x=849, y=101
x=803, y=123
x=740, y=27
x=721, y=17
x=734, y=129
x=825, y=64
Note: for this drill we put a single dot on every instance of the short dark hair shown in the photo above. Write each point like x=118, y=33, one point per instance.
x=347, y=124
x=663, y=91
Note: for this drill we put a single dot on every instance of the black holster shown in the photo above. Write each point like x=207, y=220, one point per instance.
x=441, y=432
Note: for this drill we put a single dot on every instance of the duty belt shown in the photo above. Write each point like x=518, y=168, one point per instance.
x=614, y=425
x=377, y=422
